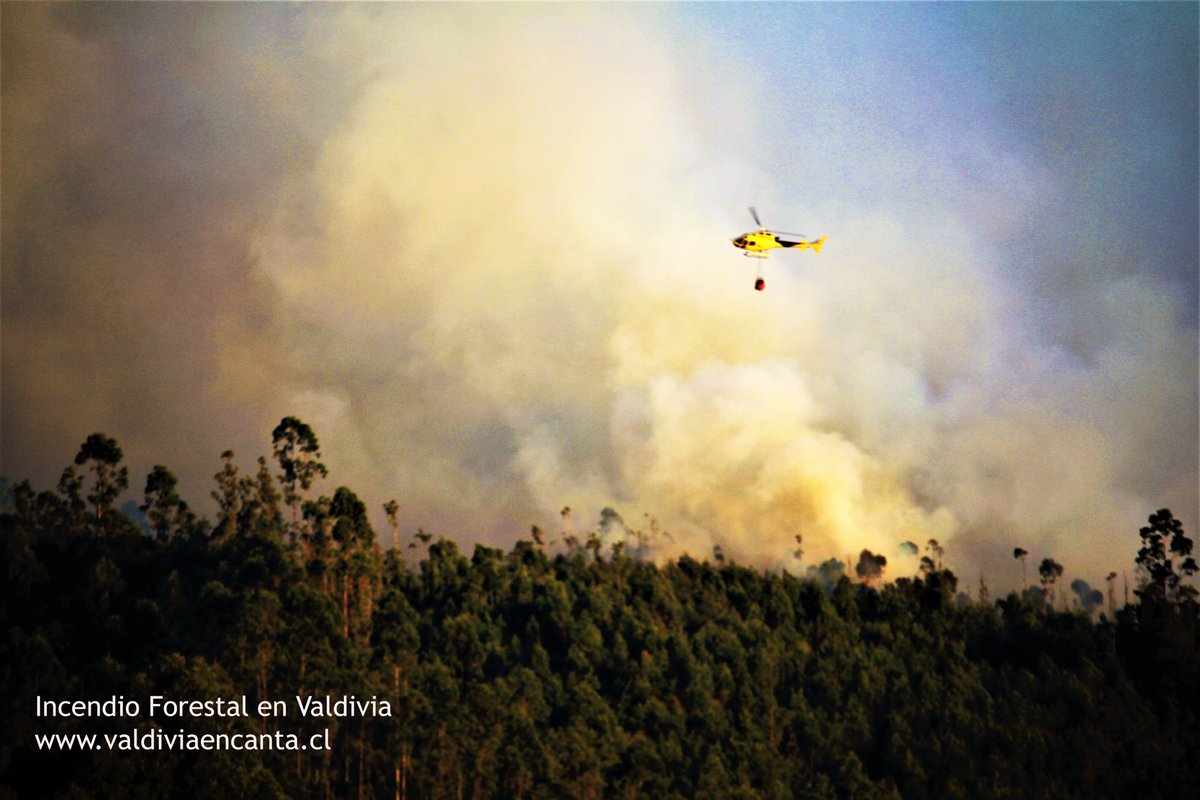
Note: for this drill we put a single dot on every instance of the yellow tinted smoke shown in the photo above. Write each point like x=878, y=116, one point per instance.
x=516, y=230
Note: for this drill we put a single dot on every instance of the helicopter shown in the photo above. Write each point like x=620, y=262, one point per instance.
x=755, y=244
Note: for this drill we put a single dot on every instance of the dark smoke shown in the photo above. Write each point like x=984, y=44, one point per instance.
x=828, y=573
x=1089, y=598
x=870, y=566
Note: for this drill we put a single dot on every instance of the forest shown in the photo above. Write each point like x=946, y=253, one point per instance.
x=568, y=666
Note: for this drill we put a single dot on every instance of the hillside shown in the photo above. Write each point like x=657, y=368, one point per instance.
x=568, y=672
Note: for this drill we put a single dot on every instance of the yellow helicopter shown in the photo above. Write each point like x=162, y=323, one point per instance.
x=756, y=244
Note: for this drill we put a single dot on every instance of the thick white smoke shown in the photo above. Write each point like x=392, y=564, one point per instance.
x=495, y=277
x=506, y=288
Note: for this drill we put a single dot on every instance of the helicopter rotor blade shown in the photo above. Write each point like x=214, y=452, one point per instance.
x=754, y=214
x=787, y=233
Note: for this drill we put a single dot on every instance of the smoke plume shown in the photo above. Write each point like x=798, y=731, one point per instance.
x=483, y=252
x=1089, y=599
x=870, y=566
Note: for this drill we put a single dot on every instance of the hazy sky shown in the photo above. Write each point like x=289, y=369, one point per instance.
x=484, y=251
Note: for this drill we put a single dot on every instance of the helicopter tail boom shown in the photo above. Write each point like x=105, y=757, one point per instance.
x=815, y=246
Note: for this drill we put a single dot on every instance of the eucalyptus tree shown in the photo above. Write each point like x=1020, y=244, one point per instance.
x=391, y=508
x=228, y=495
x=298, y=452
x=102, y=456
x=1050, y=571
x=1163, y=543
x=1020, y=553
x=167, y=512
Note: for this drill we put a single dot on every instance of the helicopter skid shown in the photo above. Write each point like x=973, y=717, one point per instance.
x=748, y=254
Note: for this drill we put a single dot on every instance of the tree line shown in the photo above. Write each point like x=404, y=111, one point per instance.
x=563, y=669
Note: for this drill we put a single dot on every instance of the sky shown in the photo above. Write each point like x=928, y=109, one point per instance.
x=484, y=251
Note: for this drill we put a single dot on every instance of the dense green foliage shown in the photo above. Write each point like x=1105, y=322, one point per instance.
x=581, y=673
